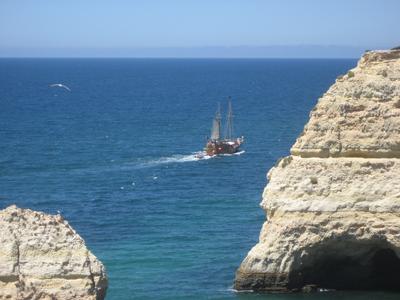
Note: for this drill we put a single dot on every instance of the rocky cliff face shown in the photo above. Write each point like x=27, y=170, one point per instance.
x=42, y=257
x=333, y=205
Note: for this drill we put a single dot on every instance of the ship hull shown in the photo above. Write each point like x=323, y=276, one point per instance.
x=222, y=147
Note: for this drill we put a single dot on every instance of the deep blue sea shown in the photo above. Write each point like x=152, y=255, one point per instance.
x=116, y=156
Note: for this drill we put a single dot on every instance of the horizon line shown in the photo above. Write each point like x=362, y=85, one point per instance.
x=177, y=57
x=240, y=52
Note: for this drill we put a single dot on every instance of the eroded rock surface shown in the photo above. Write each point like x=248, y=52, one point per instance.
x=333, y=205
x=42, y=257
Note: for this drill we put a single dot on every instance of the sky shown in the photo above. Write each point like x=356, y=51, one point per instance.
x=185, y=28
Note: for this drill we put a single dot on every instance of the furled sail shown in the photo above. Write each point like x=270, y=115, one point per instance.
x=229, y=122
x=215, y=132
x=216, y=128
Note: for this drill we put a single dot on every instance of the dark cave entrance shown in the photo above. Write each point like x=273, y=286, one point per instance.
x=352, y=266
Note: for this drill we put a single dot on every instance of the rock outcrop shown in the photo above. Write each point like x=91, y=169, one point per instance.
x=42, y=257
x=333, y=205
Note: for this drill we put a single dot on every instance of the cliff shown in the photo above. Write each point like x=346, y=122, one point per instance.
x=42, y=257
x=333, y=205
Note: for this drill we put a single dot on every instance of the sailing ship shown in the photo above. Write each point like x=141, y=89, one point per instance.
x=227, y=145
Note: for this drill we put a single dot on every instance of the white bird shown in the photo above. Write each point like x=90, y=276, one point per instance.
x=61, y=86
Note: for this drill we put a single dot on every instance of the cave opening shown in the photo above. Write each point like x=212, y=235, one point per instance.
x=350, y=267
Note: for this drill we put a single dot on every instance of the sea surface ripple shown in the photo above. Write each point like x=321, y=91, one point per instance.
x=117, y=156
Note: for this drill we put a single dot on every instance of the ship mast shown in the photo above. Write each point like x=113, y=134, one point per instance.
x=229, y=122
x=216, y=128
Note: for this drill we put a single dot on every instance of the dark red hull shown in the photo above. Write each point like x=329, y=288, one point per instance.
x=222, y=147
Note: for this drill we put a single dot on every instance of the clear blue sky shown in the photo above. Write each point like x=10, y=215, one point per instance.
x=67, y=26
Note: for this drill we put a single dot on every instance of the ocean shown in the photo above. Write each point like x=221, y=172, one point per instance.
x=116, y=156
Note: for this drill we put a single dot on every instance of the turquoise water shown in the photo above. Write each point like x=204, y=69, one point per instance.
x=116, y=157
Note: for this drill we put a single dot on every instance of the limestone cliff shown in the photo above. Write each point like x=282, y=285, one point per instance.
x=333, y=205
x=42, y=257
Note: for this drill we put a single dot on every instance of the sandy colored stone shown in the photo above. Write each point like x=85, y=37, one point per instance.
x=333, y=205
x=42, y=257
x=359, y=116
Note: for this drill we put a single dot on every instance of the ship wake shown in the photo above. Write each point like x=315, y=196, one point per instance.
x=233, y=154
x=177, y=158
x=180, y=158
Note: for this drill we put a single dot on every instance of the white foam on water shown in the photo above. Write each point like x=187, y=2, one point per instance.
x=177, y=158
x=232, y=290
x=237, y=153
x=180, y=158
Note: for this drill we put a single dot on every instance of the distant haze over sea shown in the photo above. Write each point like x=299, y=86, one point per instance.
x=285, y=51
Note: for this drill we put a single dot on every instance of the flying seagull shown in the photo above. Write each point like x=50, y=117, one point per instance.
x=61, y=86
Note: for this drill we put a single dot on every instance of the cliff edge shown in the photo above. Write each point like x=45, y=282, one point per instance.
x=333, y=205
x=42, y=257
